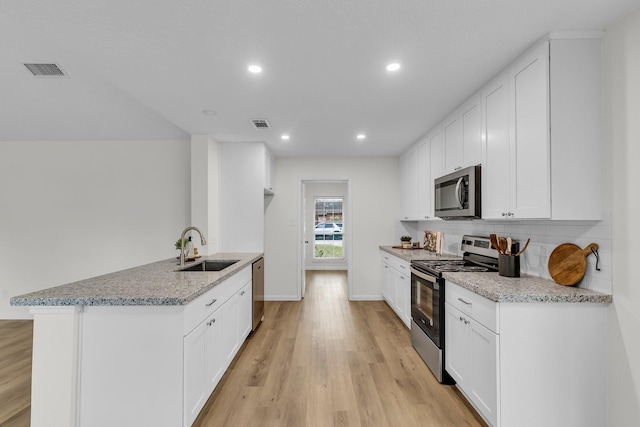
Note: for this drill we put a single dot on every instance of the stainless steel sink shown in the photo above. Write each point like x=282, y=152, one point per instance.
x=211, y=265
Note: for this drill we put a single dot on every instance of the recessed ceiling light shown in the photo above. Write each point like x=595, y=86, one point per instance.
x=209, y=112
x=361, y=136
x=393, y=66
x=285, y=137
x=255, y=69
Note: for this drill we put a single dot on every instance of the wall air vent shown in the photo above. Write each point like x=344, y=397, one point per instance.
x=45, y=70
x=260, y=123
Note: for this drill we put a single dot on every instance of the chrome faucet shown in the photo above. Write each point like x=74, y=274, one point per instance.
x=202, y=240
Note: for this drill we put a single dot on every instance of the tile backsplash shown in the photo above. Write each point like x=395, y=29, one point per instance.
x=545, y=236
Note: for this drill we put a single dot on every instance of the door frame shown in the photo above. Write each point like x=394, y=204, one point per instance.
x=301, y=270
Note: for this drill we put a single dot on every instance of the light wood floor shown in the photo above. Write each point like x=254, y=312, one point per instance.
x=16, y=338
x=326, y=361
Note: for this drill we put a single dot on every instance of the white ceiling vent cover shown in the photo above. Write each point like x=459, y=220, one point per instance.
x=260, y=123
x=45, y=70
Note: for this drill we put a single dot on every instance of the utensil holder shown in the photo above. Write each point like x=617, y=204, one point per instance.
x=508, y=265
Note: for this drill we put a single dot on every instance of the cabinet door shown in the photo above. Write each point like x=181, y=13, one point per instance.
x=195, y=379
x=495, y=149
x=245, y=311
x=402, y=288
x=437, y=162
x=214, y=350
x=385, y=275
x=484, y=371
x=530, y=159
x=471, y=124
x=458, y=346
x=231, y=323
x=452, y=136
x=409, y=185
x=425, y=184
x=269, y=171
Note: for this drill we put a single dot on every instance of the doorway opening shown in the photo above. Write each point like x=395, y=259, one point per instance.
x=323, y=228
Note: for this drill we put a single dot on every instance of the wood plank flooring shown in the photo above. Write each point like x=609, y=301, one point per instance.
x=16, y=343
x=327, y=361
x=324, y=361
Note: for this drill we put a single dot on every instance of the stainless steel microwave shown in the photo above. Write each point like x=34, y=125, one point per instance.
x=457, y=195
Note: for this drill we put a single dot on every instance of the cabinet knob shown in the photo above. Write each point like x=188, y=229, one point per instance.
x=241, y=293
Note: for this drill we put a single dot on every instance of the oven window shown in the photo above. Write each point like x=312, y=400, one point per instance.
x=425, y=302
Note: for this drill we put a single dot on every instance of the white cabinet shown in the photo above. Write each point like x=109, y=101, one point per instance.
x=542, y=122
x=496, y=162
x=409, y=185
x=462, y=133
x=210, y=348
x=269, y=171
x=510, y=359
x=242, y=174
x=472, y=348
x=429, y=168
x=396, y=286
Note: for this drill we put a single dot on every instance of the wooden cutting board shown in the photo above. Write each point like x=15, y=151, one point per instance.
x=568, y=263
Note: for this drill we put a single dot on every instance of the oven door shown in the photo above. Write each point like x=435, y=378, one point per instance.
x=425, y=303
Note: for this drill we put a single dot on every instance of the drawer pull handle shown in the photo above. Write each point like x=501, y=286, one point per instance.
x=462, y=319
x=464, y=302
x=213, y=301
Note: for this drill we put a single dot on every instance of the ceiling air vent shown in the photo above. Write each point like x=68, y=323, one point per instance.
x=260, y=123
x=45, y=70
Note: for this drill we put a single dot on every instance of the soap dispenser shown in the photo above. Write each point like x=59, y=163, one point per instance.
x=189, y=249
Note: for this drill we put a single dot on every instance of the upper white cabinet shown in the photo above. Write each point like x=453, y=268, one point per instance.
x=269, y=171
x=409, y=185
x=543, y=129
x=462, y=132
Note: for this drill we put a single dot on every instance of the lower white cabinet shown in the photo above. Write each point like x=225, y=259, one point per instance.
x=396, y=286
x=210, y=348
x=527, y=363
x=472, y=352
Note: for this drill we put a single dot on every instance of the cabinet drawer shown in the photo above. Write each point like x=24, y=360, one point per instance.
x=200, y=308
x=396, y=263
x=481, y=309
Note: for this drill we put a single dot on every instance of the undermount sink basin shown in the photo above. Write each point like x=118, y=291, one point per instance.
x=211, y=265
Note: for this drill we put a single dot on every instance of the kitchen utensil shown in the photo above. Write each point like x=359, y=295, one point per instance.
x=509, y=243
x=508, y=266
x=568, y=263
x=502, y=242
x=494, y=241
x=525, y=247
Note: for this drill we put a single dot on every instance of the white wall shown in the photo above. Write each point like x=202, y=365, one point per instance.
x=622, y=96
x=205, y=192
x=70, y=210
x=374, y=201
x=324, y=189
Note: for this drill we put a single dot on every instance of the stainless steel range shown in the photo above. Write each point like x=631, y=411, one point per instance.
x=427, y=298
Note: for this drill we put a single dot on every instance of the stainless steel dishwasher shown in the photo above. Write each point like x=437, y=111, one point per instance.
x=258, y=293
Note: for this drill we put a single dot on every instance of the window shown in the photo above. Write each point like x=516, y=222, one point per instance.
x=328, y=230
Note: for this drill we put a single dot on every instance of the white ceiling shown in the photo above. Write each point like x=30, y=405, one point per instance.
x=145, y=69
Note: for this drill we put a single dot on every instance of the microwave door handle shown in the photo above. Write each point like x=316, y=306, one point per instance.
x=458, y=194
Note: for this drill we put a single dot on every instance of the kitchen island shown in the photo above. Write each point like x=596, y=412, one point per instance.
x=139, y=347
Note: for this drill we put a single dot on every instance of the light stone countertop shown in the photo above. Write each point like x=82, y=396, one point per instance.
x=158, y=283
x=524, y=289
x=507, y=289
x=416, y=254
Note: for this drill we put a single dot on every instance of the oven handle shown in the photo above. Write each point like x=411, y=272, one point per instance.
x=420, y=274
